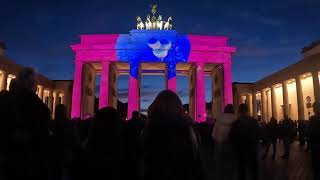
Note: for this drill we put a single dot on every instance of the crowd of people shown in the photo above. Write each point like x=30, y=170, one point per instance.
x=167, y=145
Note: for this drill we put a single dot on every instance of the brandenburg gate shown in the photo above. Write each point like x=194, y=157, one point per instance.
x=153, y=47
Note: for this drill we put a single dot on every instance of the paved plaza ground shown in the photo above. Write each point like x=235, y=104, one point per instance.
x=297, y=167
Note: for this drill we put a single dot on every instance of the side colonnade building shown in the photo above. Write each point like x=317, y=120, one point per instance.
x=51, y=92
x=290, y=91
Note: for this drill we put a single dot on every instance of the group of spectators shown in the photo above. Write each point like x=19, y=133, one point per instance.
x=167, y=145
x=239, y=138
x=33, y=146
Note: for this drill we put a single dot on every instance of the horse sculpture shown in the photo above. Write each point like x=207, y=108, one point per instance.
x=140, y=24
x=148, y=23
x=168, y=24
x=159, y=22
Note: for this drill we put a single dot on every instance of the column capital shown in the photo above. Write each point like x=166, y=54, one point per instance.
x=227, y=63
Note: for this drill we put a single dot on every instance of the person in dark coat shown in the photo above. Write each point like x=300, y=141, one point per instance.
x=170, y=145
x=105, y=146
x=272, y=131
x=244, y=137
x=133, y=151
x=288, y=133
x=28, y=155
x=302, y=128
x=5, y=131
x=314, y=140
x=65, y=142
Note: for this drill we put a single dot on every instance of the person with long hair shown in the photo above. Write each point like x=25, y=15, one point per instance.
x=223, y=156
x=170, y=145
x=105, y=146
x=65, y=142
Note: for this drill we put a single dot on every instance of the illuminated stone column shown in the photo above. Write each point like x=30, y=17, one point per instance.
x=274, y=102
x=133, y=93
x=50, y=100
x=200, y=94
x=56, y=99
x=192, y=92
x=264, y=106
x=104, y=85
x=63, y=98
x=248, y=103
x=227, y=88
x=41, y=90
x=316, y=86
x=76, y=93
x=300, y=98
x=285, y=99
x=254, y=105
x=171, y=77
x=113, y=86
x=218, y=94
x=4, y=78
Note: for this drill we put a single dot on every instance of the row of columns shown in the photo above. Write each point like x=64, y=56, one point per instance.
x=53, y=98
x=134, y=88
x=300, y=100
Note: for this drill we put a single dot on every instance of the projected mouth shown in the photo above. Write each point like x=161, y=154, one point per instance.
x=159, y=48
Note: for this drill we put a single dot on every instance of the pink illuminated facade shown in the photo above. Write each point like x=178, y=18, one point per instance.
x=113, y=54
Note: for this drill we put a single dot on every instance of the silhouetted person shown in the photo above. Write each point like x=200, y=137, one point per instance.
x=133, y=144
x=170, y=146
x=64, y=143
x=302, y=128
x=272, y=131
x=307, y=136
x=222, y=148
x=5, y=131
x=288, y=133
x=105, y=146
x=28, y=155
x=314, y=140
x=244, y=137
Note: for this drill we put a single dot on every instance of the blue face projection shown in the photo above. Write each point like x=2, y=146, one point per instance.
x=153, y=46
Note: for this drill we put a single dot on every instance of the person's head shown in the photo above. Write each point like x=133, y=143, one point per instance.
x=26, y=79
x=105, y=129
x=60, y=112
x=106, y=118
x=229, y=109
x=273, y=120
x=166, y=102
x=135, y=114
x=243, y=110
x=316, y=107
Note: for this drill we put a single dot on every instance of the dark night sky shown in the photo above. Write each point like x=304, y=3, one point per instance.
x=269, y=35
